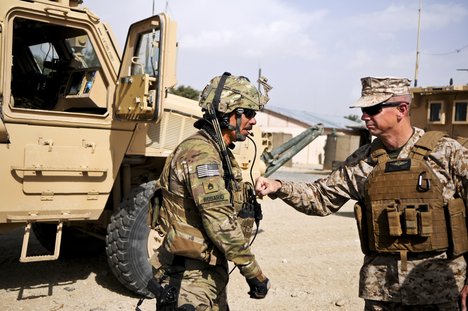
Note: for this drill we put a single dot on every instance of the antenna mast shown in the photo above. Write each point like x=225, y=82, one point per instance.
x=259, y=76
x=417, y=46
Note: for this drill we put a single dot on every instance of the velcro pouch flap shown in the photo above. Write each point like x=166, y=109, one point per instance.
x=394, y=224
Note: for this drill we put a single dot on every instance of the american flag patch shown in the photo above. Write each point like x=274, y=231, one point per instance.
x=207, y=170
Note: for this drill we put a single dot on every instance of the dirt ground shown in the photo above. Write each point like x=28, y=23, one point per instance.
x=313, y=264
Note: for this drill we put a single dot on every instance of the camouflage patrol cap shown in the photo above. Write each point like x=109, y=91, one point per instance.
x=379, y=90
x=238, y=92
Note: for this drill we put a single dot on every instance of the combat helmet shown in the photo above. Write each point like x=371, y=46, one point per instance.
x=228, y=93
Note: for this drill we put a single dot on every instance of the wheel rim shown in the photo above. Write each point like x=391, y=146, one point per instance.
x=154, y=242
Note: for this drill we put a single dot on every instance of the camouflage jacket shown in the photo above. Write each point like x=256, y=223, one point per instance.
x=434, y=279
x=199, y=201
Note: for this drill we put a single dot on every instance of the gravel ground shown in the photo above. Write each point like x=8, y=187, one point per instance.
x=313, y=264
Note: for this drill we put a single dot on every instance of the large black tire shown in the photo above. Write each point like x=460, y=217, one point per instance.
x=127, y=240
x=74, y=241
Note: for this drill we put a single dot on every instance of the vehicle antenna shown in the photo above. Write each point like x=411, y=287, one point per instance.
x=417, y=46
x=259, y=77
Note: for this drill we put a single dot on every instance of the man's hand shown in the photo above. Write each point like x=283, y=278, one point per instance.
x=265, y=186
x=463, y=297
x=259, y=286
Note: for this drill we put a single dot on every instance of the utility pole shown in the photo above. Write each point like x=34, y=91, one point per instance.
x=416, y=69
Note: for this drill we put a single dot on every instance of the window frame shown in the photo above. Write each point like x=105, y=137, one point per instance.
x=441, y=112
x=36, y=116
x=454, y=113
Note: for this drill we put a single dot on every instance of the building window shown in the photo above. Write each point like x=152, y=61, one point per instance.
x=460, y=112
x=436, y=113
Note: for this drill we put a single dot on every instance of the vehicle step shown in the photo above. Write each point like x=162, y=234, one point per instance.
x=24, y=249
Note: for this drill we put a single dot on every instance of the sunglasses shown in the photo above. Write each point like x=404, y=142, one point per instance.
x=249, y=113
x=376, y=109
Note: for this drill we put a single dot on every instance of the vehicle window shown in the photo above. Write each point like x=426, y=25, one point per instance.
x=54, y=68
x=147, y=54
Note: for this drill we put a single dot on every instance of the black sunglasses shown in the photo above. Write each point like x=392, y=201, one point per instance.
x=376, y=109
x=249, y=113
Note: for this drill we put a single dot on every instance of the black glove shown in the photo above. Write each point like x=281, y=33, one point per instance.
x=259, y=286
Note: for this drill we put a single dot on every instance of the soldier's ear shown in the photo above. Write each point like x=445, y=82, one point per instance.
x=403, y=108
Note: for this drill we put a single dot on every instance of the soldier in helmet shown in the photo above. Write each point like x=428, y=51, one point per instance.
x=412, y=193
x=205, y=215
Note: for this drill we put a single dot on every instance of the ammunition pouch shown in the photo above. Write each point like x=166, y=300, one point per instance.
x=188, y=241
x=246, y=218
x=458, y=232
x=250, y=210
x=413, y=228
x=360, y=216
x=155, y=208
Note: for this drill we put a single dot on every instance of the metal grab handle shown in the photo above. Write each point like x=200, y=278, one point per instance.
x=420, y=187
x=49, y=10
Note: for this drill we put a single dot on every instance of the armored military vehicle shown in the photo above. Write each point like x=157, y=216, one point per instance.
x=85, y=132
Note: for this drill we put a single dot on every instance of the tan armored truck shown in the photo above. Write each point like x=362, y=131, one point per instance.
x=84, y=132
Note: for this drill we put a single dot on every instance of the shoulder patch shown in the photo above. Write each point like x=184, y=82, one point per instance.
x=207, y=170
x=210, y=187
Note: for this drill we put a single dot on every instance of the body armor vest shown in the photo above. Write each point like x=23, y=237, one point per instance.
x=180, y=221
x=404, y=206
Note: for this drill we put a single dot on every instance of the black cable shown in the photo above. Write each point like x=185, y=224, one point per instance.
x=254, y=158
x=257, y=223
x=445, y=53
x=251, y=178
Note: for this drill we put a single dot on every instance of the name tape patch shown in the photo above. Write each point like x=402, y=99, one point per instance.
x=213, y=198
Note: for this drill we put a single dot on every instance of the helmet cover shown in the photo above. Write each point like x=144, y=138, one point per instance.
x=237, y=92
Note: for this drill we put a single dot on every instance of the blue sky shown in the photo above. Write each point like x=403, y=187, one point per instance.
x=313, y=52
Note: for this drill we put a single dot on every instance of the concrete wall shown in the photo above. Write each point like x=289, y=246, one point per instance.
x=279, y=126
x=337, y=148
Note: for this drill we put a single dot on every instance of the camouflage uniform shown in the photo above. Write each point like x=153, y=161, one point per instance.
x=428, y=280
x=195, y=175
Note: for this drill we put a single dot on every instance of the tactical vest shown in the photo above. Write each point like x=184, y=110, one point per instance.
x=404, y=206
x=180, y=221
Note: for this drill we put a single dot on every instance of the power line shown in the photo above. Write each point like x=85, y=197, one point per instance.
x=447, y=53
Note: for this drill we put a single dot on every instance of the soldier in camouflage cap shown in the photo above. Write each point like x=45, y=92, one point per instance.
x=409, y=185
x=381, y=90
x=208, y=212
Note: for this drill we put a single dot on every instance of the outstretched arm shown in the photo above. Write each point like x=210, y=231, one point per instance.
x=265, y=186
